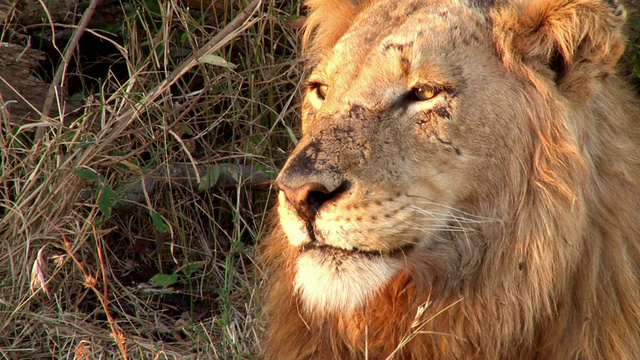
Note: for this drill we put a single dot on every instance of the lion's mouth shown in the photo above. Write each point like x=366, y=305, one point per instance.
x=318, y=244
x=334, y=251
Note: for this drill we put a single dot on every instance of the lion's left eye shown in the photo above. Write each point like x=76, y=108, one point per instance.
x=421, y=93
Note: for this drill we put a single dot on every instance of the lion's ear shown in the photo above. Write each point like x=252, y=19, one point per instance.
x=560, y=38
x=327, y=21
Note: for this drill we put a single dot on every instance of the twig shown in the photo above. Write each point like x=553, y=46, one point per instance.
x=185, y=174
x=55, y=88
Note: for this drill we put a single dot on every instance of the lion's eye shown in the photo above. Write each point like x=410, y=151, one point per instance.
x=420, y=93
x=321, y=90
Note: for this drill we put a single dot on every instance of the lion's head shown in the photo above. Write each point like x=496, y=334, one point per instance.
x=466, y=186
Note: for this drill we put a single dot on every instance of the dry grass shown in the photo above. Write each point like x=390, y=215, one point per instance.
x=78, y=257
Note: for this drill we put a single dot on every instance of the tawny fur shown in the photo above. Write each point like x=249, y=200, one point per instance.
x=551, y=268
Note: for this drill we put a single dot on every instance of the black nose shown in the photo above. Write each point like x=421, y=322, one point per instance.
x=309, y=197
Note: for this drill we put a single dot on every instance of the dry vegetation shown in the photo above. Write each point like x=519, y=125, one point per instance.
x=128, y=218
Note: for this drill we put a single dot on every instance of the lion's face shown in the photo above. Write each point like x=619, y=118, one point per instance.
x=402, y=139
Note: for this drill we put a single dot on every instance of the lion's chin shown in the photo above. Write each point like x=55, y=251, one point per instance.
x=338, y=281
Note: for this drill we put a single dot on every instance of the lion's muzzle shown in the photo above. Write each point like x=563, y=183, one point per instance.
x=307, y=189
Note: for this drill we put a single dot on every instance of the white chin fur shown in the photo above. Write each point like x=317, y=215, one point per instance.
x=324, y=285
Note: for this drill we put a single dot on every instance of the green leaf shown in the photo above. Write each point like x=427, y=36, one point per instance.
x=163, y=280
x=210, y=179
x=86, y=174
x=233, y=171
x=190, y=269
x=292, y=136
x=183, y=37
x=236, y=246
x=270, y=172
x=158, y=222
x=108, y=198
x=216, y=60
x=154, y=7
x=256, y=139
x=187, y=130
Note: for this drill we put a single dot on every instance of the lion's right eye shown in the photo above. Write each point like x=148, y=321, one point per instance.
x=318, y=89
x=321, y=90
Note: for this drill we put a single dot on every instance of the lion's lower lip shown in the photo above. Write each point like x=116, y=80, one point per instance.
x=318, y=246
x=317, y=243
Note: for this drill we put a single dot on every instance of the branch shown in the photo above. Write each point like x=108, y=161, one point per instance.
x=223, y=176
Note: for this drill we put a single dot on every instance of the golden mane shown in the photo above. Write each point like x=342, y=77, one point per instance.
x=328, y=19
x=558, y=277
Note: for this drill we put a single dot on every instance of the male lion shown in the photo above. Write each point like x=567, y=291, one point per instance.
x=467, y=186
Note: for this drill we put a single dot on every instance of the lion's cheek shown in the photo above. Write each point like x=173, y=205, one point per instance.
x=293, y=226
x=333, y=285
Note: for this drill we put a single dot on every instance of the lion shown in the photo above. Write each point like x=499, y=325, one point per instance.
x=467, y=186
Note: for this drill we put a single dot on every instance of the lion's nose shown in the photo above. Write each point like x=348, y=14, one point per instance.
x=309, y=197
